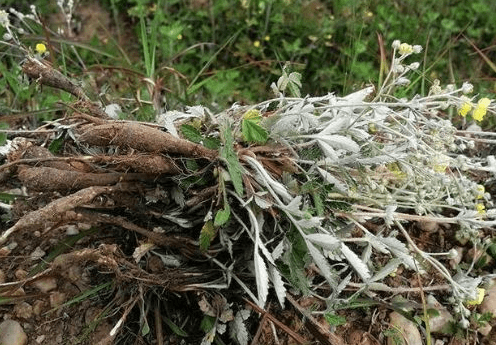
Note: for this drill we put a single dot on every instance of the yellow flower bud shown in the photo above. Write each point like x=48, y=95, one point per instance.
x=478, y=299
x=40, y=48
x=481, y=109
x=405, y=49
x=465, y=107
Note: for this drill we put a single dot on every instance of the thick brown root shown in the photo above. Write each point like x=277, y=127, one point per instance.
x=145, y=163
x=44, y=74
x=52, y=179
x=144, y=139
x=56, y=211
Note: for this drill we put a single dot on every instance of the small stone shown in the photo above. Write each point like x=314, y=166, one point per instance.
x=71, y=230
x=489, y=302
x=428, y=226
x=439, y=323
x=485, y=330
x=38, y=253
x=45, y=284
x=40, y=339
x=57, y=299
x=38, y=306
x=23, y=310
x=11, y=333
x=21, y=274
x=407, y=330
x=17, y=292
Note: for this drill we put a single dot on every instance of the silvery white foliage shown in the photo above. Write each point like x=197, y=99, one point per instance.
x=262, y=278
x=279, y=250
x=359, y=266
x=291, y=80
x=168, y=118
x=354, y=101
x=276, y=279
x=328, y=150
x=390, y=214
x=378, y=159
x=399, y=249
x=326, y=241
x=334, y=125
x=385, y=271
x=309, y=223
x=197, y=111
x=265, y=179
x=468, y=285
x=113, y=110
x=298, y=119
x=323, y=265
x=337, y=141
x=380, y=113
x=237, y=327
x=329, y=178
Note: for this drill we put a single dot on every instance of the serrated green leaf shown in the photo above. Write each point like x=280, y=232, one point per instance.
x=233, y=165
x=222, y=216
x=253, y=132
x=211, y=143
x=253, y=115
x=191, y=133
x=207, y=234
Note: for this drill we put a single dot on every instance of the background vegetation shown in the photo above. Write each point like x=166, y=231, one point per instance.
x=216, y=53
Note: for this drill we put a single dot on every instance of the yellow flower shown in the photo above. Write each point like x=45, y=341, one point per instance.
x=405, y=49
x=481, y=209
x=481, y=109
x=480, y=191
x=440, y=163
x=267, y=38
x=256, y=44
x=465, y=107
x=179, y=37
x=40, y=48
x=478, y=299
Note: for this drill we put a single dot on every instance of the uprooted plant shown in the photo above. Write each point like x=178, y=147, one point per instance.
x=324, y=188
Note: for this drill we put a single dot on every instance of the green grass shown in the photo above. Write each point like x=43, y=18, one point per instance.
x=190, y=52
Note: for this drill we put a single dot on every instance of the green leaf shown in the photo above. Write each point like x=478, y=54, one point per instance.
x=174, y=327
x=211, y=143
x=233, y=165
x=191, y=133
x=3, y=136
x=222, y=216
x=335, y=320
x=7, y=197
x=207, y=234
x=56, y=144
x=253, y=132
x=207, y=323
